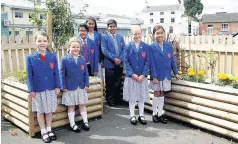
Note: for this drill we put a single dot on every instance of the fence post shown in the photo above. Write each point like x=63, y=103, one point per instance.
x=49, y=29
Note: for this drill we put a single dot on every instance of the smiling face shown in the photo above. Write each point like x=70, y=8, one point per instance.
x=83, y=32
x=42, y=42
x=91, y=25
x=74, y=48
x=159, y=35
x=112, y=28
x=136, y=33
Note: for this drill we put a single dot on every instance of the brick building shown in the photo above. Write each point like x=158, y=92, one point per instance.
x=219, y=23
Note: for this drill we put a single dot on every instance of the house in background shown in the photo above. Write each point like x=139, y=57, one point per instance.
x=219, y=23
x=169, y=16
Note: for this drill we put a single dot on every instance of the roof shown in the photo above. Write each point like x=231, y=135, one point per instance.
x=172, y=7
x=220, y=17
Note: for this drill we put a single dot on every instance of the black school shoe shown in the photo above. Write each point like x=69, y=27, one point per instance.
x=142, y=120
x=85, y=126
x=164, y=117
x=162, y=120
x=77, y=130
x=155, y=118
x=47, y=139
x=133, y=121
x=52, y=136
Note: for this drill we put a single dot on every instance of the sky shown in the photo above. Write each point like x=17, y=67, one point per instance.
x=130, y=7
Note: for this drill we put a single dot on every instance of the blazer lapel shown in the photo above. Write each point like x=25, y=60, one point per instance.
x=159, y=48
x=110, y=39
x=72, y=59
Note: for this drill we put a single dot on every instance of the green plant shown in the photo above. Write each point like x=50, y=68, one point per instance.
x=19, y=76
x=34, y=16
x=211, y=58
x=62, y=21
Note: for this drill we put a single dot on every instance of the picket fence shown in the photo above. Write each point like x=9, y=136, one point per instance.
x=15, y=49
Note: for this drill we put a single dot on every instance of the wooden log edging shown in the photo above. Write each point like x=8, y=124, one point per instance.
x=209, y=107
x=17, y=105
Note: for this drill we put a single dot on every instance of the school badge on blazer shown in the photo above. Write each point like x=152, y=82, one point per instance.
x=169, y=55
x=92, y=51
x=143, y=54
x=82, y=67
x=51, y=65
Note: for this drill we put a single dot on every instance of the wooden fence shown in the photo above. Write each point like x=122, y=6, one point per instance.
x=14, y=52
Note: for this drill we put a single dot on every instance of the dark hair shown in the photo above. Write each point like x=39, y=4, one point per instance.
x=83, y=25
x=91, y=18
x=41, y=33
x=158, y=27
x=111, y=21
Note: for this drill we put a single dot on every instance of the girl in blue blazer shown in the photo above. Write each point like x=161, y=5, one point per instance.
x=136, y=84
x=162, y=61
x=94, y=35
x=89, y=50
x=43, y=84
x=74, y=82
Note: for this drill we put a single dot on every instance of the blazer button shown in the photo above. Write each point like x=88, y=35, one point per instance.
x=45, y=78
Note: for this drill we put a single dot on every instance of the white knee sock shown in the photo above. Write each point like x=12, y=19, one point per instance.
x=71, y=118
x=43, y=131
x=155, y=105
x=132, y=108
x=161, y=105
x=141, y=108
x=84, y=116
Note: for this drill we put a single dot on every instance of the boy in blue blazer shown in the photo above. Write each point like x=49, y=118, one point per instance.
x=88, y=50
x=113, y=46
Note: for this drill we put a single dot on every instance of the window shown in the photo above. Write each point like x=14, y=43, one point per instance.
x=210, y=29
x=172, y=12
x=161, y=13
x=151, y=13
x=171, y=29
x=172, y=20
x=161, y=20
x=18, y=15
x=151, y=21
x=42, y=16
x=224, y=27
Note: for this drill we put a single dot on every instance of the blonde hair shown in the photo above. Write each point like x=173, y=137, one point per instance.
x=74, y=39
x=41, y=33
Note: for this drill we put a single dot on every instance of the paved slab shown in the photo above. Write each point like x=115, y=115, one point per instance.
x=114, y=128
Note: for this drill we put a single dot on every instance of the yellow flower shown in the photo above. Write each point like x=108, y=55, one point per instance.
x=191, y=73
x=222, y=76
x=190, y=69
x=24, y=76
x=201, y=72
x=23, y=71
x=236, y=78
x=180, y=72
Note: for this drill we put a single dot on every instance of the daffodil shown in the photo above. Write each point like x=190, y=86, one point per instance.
x=201, y=72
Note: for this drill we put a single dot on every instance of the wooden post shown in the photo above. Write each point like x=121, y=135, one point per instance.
x=49, y=29
x=31, y=118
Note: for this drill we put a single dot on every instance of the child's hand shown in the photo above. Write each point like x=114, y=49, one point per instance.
x=178, y=77
x=57, y=91
x=155, y=81
x=86, y=88
x=135, y=77
x=95, y=73
x=141, y=78
x=65, y=90
x=117, y=61
x=32, y=94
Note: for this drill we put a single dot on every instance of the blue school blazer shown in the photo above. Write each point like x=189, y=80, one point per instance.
x=73, y=75
x=108, y=50
x=161, y=62
x=97, y=41
x=137, y=62
x=41, y=75
x=93, y=54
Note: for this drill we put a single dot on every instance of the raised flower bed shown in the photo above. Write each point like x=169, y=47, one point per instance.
x=16, y=106
x=207, y=106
